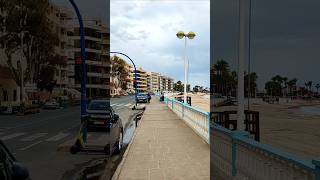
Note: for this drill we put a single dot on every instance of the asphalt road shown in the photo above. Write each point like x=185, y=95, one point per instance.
x=34, y=139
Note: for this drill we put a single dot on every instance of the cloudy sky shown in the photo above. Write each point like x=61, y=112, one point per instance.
x=285, y=37
x=146, y=31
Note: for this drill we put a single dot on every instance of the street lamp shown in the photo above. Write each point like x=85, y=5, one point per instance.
x=189, y=35
x=244, y=13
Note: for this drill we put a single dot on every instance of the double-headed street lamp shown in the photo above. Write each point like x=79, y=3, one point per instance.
x=189, y=35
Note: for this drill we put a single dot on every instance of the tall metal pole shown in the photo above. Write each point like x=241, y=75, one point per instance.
x=185, y=70
x=188, y=71
x=243, y=34
x=83, y=67
x=249, y=57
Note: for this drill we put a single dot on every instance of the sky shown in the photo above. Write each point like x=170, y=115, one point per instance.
x=146, y=32
x=285, y=38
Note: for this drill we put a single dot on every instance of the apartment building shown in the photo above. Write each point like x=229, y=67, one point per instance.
x=165, y=83
x=155, y=81
x=61, y=20
x=141, y=80
x=97, y=58
x=130, y=88
x=149, y=82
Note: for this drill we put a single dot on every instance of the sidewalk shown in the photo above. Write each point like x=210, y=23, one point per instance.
x=164, y=147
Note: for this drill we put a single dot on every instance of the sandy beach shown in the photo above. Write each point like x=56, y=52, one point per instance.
x=290, y=126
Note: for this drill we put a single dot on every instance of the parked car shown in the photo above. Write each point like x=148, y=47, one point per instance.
x=101, y=116
x=142, y=98
x=51, y=104
x=10, y=168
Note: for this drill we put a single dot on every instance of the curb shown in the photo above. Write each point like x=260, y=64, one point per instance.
x=124, y=157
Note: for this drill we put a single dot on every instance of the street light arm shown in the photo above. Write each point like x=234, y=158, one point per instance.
x=135, y=70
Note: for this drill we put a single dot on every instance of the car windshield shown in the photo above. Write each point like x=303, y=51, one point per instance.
x=142, y=94
x=99, y=105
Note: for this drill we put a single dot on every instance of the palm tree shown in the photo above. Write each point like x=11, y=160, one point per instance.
x=285, y=82
x=292, y=83
x=222, y=74
x=308, y=85
x=277, y=82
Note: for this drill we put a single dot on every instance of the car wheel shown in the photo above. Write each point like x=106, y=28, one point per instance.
x=119, y=143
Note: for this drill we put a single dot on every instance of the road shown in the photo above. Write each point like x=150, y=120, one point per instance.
x=34, y=139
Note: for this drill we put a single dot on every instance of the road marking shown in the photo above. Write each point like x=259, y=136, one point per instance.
x=113, y=104
x=12, y=136
x=127, y=105
x=33, y=137
x=120, y=104
x=58, y=137
x=31, y=145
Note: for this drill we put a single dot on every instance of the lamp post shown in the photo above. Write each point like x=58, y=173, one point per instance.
x=83, y=67
x=244, y=13
x=83, y=64
x=189, y=35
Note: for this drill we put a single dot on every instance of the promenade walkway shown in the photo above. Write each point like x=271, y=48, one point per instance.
x=164, y=148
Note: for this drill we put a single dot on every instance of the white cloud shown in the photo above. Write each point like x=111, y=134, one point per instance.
x=146, y=31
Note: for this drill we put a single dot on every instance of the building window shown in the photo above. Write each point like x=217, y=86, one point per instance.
x=5, y=95
x=14, y=95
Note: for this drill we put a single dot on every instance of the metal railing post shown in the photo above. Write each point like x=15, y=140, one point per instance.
x=172, y=105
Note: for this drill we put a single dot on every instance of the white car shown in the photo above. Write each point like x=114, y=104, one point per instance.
x=51, y=104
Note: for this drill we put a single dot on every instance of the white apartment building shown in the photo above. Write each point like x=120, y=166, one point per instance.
x=97, y=58
x=165, y=83
x=62, y=25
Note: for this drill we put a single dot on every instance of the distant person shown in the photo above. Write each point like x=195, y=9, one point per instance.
x=149, y=97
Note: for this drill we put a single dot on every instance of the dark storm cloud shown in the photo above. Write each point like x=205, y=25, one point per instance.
x=285, y=37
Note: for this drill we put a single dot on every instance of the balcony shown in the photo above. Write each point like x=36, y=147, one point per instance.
x=98, y=86
x=105, y=41
x=100, y=75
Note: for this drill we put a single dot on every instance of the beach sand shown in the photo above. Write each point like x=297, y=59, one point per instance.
x=200, y=101
x=283, y=126
x=286, y=127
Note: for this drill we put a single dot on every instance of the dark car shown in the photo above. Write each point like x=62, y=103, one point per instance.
x=142, y=98
x=10, y=169
x=101, y=116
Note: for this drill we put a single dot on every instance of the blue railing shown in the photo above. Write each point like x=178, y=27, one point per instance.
x=308, y=169
x=197, y=119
